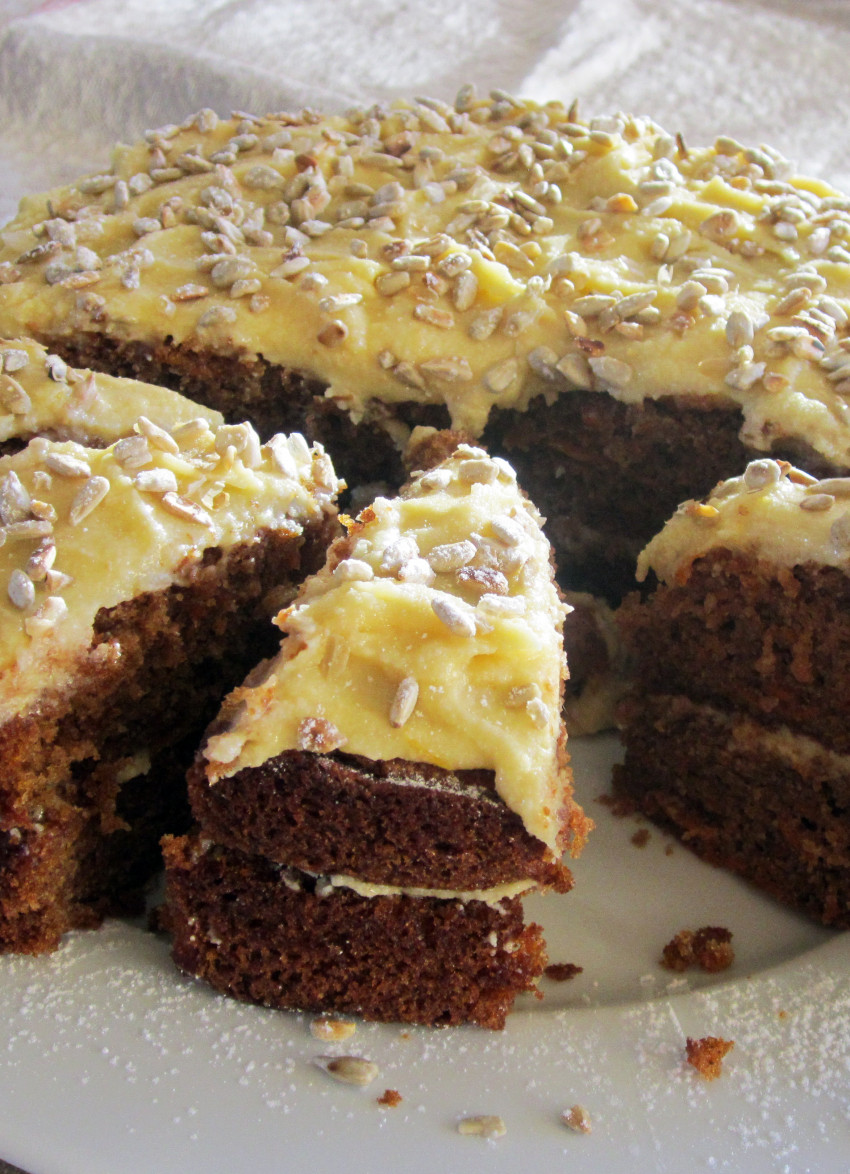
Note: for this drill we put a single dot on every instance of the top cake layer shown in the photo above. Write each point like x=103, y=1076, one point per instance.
x=82, y=529
x=41, y=395
x=474, y=255
x=773, y=512
x=433, y=635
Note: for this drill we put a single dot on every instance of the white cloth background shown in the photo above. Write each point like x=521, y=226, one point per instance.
x=77, y=75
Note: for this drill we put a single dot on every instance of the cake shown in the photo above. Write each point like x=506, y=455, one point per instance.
x=736, y=734
x=138, y=579
x=373, y=803
x=627, y=317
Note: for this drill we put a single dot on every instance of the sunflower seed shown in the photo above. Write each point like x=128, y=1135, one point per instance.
x=451, y=556
x=457, y=619
x=21, y=590
x=332, y=1030
x=46, y=617
x=156, y=481
x=348, y=1069
x=13, y=396
x=66, y=465
x=818, y=502
x=14, y=360
x=41, y=561
x=404, y=702
x=483, y=1126
x=500, y=376
x=87, y=498
x=186, y=510
x=156, y=437
x=611, y=372
x=762, y=474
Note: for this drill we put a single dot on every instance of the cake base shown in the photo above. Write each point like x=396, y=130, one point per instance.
x=282, y=939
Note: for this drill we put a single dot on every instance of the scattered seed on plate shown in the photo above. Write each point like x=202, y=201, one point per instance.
x=348, y=1069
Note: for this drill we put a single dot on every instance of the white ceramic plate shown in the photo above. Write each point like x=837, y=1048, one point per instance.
x=112, y=1063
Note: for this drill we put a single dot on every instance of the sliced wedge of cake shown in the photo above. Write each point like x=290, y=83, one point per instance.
x=136, y=585
x=375, y=800
x=736, y=732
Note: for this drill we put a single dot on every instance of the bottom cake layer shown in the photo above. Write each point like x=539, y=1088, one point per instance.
x=770, y=805
x=287, y=939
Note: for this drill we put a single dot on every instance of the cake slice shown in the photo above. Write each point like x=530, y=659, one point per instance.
x=736, y=730
x=137, y=583
x=374, y=801
x=40, y=395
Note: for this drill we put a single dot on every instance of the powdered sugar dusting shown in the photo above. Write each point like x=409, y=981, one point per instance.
x=168, y=1074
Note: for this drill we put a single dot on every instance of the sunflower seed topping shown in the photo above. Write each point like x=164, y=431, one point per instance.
x=87, y=498
x=404, y=702
x=133, y=452
x=762, y=474
x=508, y=532
x=155, y=436
x=353, y=570
x=41, y=561
x=836, y=486
x=456, y=618
x=818, y=502
x=155, y=481
x=14, y=360
x=66, y=465
x=185, y=509
x=21, y=590
x=451, y=556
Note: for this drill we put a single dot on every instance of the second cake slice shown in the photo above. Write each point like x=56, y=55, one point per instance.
x=374, y=802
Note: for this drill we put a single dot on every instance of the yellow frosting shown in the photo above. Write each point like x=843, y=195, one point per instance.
x=41, y=395
x=773, y=512
x=492, y=896
x=472, y=255
x=83, y=529
x=437, y=639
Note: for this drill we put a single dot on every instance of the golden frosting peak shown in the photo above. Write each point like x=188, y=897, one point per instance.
x=433, y=634
x=473, y=255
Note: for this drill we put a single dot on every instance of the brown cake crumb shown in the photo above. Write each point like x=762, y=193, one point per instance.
x=706, y=1054
x=641, y=838
x=562, y=971
x=391, y=1098
x=710, y=948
